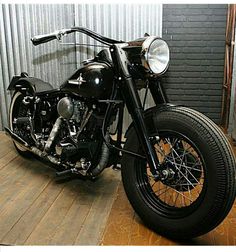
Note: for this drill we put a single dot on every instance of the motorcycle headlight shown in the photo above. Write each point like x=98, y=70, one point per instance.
x=155, y=55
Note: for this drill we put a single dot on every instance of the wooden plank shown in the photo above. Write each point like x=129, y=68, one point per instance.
x=73, y=206
x=5, y=138
x=5, y=148
x=232, y=230
x=18, y=164
x=95, y=222
x=14, y=209
x=107, y=182
x=45, y=230
x=104, y=191
x=9, y=157
x=15, y=177
x=10, y=213
x=71, y=225
x=119, y=224
x=5, y=141
x=11, y=180
x=222, y=235
x=141, y=235
x=27, y=223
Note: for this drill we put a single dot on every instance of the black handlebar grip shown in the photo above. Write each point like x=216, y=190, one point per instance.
x=40, y=39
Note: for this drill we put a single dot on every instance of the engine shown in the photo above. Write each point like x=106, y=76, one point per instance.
x=81, y=129
x=69, y=129
x=71, y=109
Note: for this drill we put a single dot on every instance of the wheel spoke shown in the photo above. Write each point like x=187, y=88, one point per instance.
x=179, y=166
x=182, y=173
x=194, y=184
x=183, y=195
x=185, y=186
x=185, y=166
x=187, y=169
x=176, y=199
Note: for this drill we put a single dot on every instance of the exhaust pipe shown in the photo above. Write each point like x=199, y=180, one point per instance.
x=103, y=160
x=42, y=154
x=32, y=149
x=16, y=138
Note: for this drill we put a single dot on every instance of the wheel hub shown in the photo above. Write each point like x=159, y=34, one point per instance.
x=167, y=174
x=175, y=173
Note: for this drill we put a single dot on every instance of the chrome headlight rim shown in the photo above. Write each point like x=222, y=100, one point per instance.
x=145, y=55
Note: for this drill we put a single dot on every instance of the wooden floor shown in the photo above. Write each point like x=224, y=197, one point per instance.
x=36, y=209
x=124, y=227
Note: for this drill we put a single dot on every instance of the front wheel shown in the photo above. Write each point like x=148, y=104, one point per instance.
x=197, y=186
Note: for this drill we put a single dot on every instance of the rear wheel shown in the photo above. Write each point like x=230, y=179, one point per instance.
x=197, y=188
x=18, y=109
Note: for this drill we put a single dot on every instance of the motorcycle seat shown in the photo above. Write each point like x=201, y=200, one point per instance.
x=39, y=85
x=35, y=84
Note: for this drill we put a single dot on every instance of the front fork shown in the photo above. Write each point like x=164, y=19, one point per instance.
x=134, y=106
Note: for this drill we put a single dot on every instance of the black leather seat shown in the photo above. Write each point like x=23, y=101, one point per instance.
x=33, y=84
x=39, y=85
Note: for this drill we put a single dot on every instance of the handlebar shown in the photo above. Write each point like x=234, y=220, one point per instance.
x=40, y=39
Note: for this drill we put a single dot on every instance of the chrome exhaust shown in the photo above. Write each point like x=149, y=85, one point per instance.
x=32, y=149
x=16, y=138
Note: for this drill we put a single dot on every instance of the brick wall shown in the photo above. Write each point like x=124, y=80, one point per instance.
x=196, y=37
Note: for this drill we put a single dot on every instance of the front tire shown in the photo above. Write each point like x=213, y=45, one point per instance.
x=192, y=200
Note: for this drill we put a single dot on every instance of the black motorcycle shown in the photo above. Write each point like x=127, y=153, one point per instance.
x=178, y=168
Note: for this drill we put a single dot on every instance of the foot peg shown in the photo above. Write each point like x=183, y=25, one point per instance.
x=63, y=173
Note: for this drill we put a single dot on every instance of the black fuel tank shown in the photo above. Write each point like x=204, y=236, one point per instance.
x=93, y=80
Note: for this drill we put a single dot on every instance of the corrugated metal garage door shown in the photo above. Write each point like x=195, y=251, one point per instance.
x=53, y=62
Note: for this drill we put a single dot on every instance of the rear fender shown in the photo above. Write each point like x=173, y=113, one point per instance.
x=21, y=83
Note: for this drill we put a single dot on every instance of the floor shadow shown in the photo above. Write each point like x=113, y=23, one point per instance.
x=195, y=241
x=73, y=182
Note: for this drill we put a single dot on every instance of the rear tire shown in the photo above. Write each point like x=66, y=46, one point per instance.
x=15, y=110
x=215, y=185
